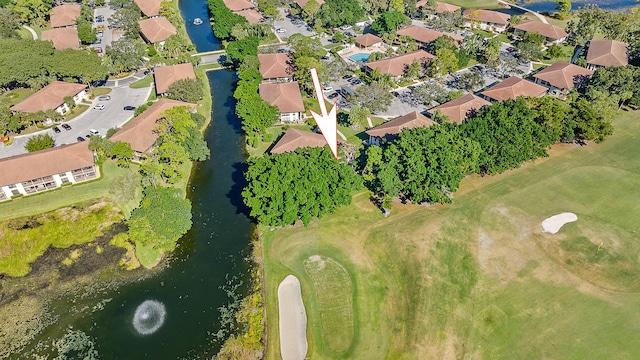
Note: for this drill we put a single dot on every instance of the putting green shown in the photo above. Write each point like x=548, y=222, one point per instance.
x=334, y=293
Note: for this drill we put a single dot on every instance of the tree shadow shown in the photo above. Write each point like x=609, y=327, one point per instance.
x=239, y=183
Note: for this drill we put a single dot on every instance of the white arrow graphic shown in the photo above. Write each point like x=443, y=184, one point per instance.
x=326, y=122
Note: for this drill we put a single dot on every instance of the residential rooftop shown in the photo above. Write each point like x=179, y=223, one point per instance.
x=62, y=38
x=294, y=139
x=547, y=30
x=607, y=53
x=461, y=108
x=424, y=35
x=563, y=75
x=367, y=40
x=408, y=121
x=487, y=16
x=149, y=8
x=156, y=29
x=49, y=97
x=396, y=65
x=286, y=96
x=278, y=65
x=64, y=15
x=237, y=5
x=140, y=132
x=167, y=75
x=513, y=87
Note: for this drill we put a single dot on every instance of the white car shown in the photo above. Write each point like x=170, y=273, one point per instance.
x=99, y=107
x=281, y=30
x=94, y=132
x=327, y=89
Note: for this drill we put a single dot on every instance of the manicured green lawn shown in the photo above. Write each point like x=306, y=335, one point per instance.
x=142, y=83
x=479, y=276
x=77, y=110
x=101, y=91
x=15, y=96
x=567, y=53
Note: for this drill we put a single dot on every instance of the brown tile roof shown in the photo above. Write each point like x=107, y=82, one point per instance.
x=62, y=38
x=486, y=16
x=396, y=65
x=156, y=29
x=440, y=6
x=563, y=75
x=424, y=35
x=513, y=87
x=149, y=7
x=275, y=65
x=45, y=163
x=167, y=75
x=409, y=121
x=547, y=30
x=64, y=15
x=286, y=96
x=607, y=53
x=457, y=110
x=367, y=40
x=302, y=3
x=294, y=139
x=49, y=97
x=140, y=131
x=252, y=16
x=237, y=5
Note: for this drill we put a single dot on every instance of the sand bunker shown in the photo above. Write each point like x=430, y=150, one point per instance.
x=553, y=224
x=293, y=320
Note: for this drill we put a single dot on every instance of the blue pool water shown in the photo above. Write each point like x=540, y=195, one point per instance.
x=359, y=57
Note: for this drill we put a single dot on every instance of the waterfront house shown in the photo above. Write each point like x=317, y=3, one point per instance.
x=606, y=53
x=486, y=20
x=167, y=75
x=276, y=67
x=294, y=139
x=286, y=96
x=156, y=30
x=552, y=34
x=44, y=170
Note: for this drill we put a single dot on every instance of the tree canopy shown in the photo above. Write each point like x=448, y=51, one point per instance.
x=39, y=142
x=187, y=90
x=339, y=12
x=300, y=185
x=389, y=21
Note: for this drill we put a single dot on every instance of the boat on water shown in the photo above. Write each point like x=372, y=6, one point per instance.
x=197, y=21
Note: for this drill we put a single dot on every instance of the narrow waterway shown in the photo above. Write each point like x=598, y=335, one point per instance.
x=187, y=296
x=211, y=257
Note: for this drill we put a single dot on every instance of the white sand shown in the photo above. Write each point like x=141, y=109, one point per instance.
x=553, y=224
x=293, y=320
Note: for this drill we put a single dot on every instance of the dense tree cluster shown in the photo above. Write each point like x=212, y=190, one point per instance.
x=223, y=19
x=187, y=90
x=389, y=22
x=9, y=24
x=35, y=63
x=163, y=217
x=616, y=84
x=256, y=114
x=618, y=25
x=301, y=185
x=339, y=12
x=423, y=164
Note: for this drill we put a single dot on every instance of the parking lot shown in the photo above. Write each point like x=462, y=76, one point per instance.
x=287, y=24
x=108, y=35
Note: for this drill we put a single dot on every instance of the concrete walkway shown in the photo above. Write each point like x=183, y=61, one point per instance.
x=342, y=135
x=538, y=15
x=33, y=32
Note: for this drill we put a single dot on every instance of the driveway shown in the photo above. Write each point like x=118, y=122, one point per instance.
x=125, y=82
x=102, y=120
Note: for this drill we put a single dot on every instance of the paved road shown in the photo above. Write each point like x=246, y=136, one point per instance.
x=538, y=15
x=125, y=82
x=33, y=32
x=102, y=120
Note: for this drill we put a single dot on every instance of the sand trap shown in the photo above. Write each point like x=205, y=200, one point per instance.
x=553, y=224
x=293, y=320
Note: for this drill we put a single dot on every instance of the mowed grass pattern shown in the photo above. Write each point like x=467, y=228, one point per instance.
x=478, y=278
x=334, y=297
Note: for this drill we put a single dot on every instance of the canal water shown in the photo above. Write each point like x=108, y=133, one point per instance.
x=211, y=256
x=181, y=312
x=550, y=6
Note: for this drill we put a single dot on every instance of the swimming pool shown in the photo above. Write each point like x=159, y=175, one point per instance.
x=359, y=57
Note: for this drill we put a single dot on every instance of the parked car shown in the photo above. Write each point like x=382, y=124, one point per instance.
x=345, y=27
x=281, y=30
x=99, y=50
x=57, y=130
x=104, y=97
x=100, y=27
x=80, y=138
x=66, y=127
x=100, y=33
x=511, y=49
x=347, y=77
x=356, y=82
x=333, y=96
x=147, y=72
x=99, y=107
x=94, y=132
x=98, y=41
x=327, y=89
x=129, y=108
